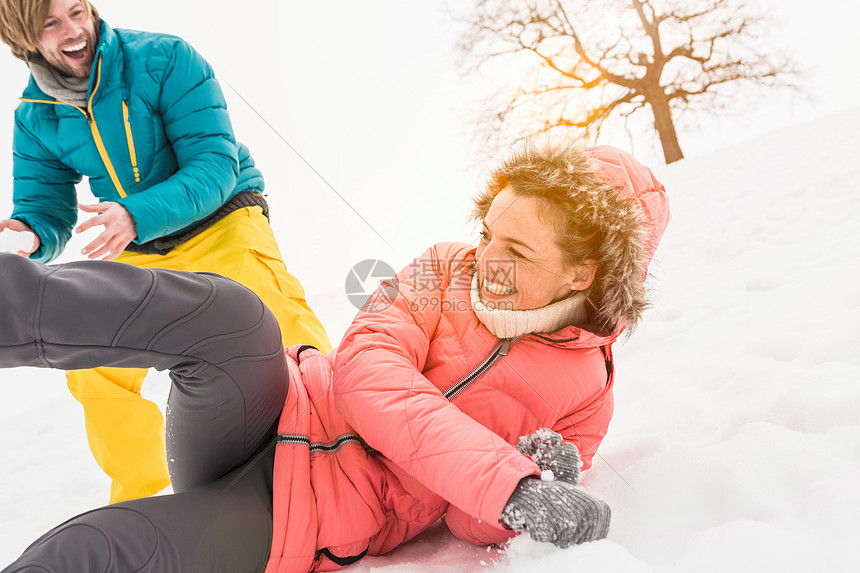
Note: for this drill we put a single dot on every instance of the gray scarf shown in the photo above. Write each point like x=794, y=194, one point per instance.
x=67, y=89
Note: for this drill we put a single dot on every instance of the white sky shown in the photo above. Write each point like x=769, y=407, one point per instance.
x=367, y=92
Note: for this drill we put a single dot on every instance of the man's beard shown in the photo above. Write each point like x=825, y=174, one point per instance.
x=70, y=67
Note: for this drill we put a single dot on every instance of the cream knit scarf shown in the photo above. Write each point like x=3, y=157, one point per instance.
x=511, y=323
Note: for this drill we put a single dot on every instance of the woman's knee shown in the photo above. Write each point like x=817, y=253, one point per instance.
x=109, y=539
x=225, y=319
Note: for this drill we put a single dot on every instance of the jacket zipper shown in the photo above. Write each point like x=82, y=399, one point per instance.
x=97, y=136
x=322, y=447
x=94, y=129
x=501, y=349
x=131, y=152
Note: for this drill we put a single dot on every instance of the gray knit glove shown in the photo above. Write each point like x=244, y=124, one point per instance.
x=556, y=512
x=549, y=453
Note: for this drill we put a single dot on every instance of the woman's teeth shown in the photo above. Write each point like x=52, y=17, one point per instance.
x=498, y=289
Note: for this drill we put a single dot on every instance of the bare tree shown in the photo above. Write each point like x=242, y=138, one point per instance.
x=589, y=60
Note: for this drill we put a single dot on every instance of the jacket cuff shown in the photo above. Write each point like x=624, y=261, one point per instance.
x=515, y=469
x=147, y=221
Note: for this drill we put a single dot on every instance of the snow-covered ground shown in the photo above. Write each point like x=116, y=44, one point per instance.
x=736, y=440
x=735, y=444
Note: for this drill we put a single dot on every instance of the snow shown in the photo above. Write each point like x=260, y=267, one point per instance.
x=735, y=444
x=14, y=241
x=736, y=439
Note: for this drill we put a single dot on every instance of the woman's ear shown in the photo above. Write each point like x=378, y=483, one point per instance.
x=583, y=275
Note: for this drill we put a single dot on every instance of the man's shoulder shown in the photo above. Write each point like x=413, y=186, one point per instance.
x=28, y=112
x=151, y=54
x=138, y=41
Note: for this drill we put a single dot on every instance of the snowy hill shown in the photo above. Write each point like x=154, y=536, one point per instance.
x=736, y=439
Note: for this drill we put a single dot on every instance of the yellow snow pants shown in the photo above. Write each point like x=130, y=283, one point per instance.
x=124, y=430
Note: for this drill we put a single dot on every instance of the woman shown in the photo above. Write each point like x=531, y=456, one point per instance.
x=449, y=394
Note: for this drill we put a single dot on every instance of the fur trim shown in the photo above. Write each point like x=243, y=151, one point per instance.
x=619, y=293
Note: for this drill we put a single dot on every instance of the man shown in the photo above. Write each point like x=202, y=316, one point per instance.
x=143, y=117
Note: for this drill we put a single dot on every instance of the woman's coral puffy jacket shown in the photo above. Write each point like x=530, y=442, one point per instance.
x=383, y=436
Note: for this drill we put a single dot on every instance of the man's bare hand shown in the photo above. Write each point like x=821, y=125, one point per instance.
x=119, y=230
x=21, y=227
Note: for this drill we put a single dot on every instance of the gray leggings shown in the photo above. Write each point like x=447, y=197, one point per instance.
x=226, y=360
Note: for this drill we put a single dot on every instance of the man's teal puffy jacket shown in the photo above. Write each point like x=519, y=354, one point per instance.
x=156, y=137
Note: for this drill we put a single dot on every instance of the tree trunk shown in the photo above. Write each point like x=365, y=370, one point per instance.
x=664, y=125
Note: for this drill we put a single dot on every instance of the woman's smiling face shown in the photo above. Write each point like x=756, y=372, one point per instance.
x=519, y=263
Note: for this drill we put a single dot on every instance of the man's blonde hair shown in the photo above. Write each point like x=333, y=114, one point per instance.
x=22, y=20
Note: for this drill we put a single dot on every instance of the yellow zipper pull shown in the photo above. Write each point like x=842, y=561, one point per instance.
x=130, y=139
